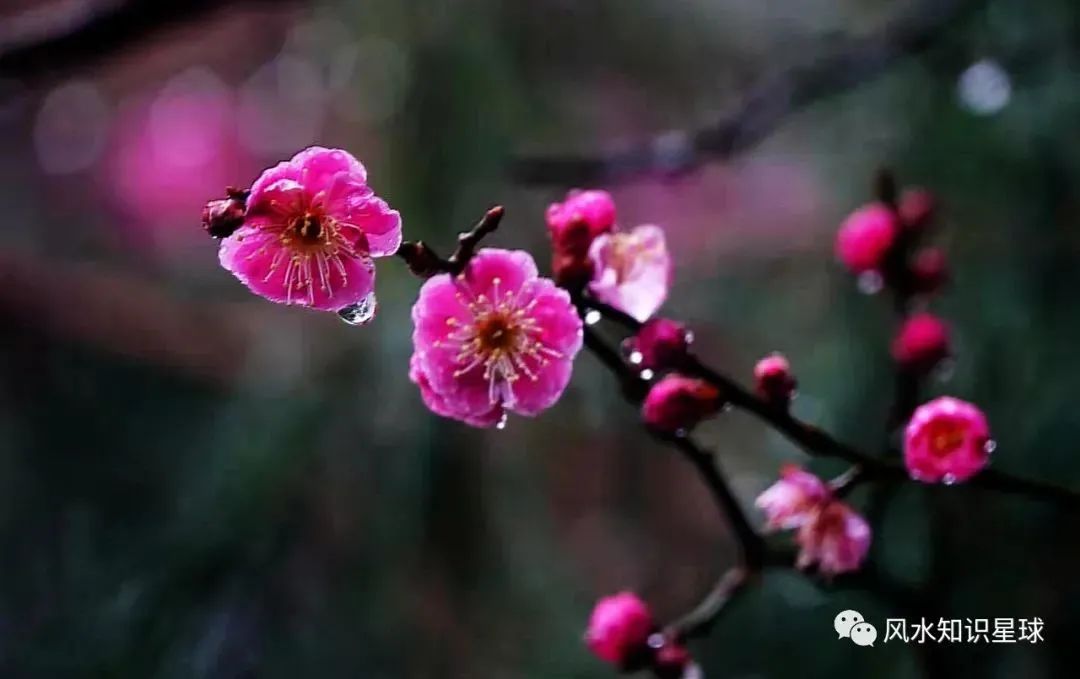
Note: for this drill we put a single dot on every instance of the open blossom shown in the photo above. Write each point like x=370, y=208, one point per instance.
x=922, y=342
x=793, y=500
x=835, y=537
x=946, y=440
x=631, y=270
x=493, y=339
x=619, y=629
x=865, y=237
x=311, y=228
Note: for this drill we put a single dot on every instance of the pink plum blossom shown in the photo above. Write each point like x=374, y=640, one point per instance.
x=865, y=238
x=792, y=501
x=631, y=270
x=619, y=628
x=946, y=440
x=835, y=537
x=495, y=338
x=311, y=228
x=573, y=225
x=922, y=342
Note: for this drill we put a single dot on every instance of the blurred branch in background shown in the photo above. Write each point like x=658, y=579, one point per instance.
x=46, y=37
x=842, y=64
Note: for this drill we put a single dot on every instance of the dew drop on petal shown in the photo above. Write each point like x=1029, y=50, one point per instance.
x=636, y=357
x=647, y=374
x=948, y=479
x=501, y=424
x=360, y=313
x=990, y=446
x=592, y=317
x=870, y=282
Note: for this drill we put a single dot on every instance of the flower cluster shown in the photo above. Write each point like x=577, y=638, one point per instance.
x=622, y=632
x=630, y=270
x=829, y=532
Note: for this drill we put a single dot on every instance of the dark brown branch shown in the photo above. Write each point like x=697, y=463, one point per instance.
x=842, y=65
x=425, y=262
x=700, y=620
x=77, y=42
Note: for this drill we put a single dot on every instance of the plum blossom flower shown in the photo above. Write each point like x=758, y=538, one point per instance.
x=619, y=629
x=946, y=440
x=495, y=338
x=311, y=228
x=835, y=537
x=922, y=342
x=631, y=270
x=865, y=238
x=678, y=403
x=917, y=208
x=792, y=501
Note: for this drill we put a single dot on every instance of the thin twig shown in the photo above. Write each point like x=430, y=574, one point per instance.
x=424, y=262
x=700, y=620
x=842, y=64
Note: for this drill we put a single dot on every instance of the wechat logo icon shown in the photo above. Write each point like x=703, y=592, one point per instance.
x=852, y=625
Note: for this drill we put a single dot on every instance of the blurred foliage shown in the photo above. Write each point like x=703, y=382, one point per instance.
x=302, y=514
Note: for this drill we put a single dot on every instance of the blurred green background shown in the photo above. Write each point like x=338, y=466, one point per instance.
x=197, y=483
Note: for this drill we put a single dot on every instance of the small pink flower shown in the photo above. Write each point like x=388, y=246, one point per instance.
x=659, y=343
x=946, y=440
x=922, y=342
x=835, y=537
x=619, y=629
x=573, y=225
x=774, y=380
x=678, y=403
x=631, y=270
x=496, y=338
x=930, y=270
x=311, y=227
x=793, y=500
x=865, y=237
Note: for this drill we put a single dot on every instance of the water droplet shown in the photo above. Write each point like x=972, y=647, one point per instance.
x=990, y=446
x=647, y=374
x=727, y=407
x=360, y=313
x=945, y=370
x=693, y=671
x=949, y=479
x=656, y=640
x=592, y=317
x=636, y=357
x=689, y=336
x=681, y=432
x=984, y=88
x=870, y=282
x=501, y=424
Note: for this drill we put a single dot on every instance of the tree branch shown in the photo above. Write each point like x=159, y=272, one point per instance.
x=842, y=65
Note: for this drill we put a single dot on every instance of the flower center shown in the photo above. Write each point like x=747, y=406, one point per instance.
x=501, y=337
x=945, y=438
x=308, y=227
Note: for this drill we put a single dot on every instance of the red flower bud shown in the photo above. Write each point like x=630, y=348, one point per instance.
x=660, y=343
x=677, y=403
x=865, y=238
x=572, y=226
x=774, y=380
x=921, y=343
x=930, y=270
x=917, y=208
x=619, y=630
x=220, y=218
